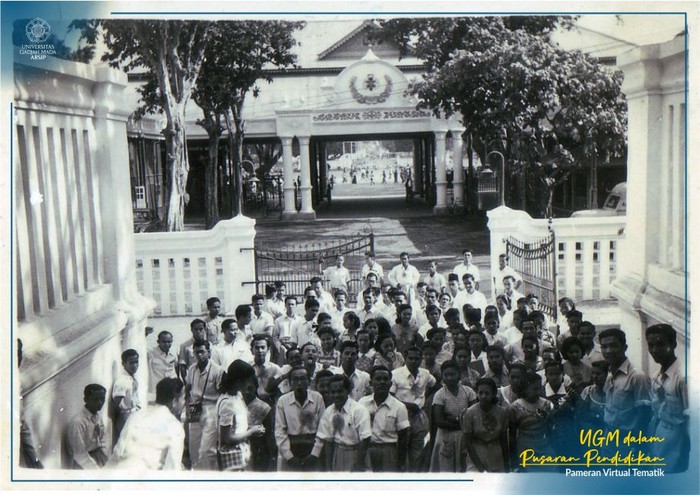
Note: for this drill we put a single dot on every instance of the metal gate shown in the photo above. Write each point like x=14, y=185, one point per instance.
x=296, y=264
x=535, y=261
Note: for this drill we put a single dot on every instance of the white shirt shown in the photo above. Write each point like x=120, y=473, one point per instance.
x=476, y=299
x=436, y=281
x=262, y=324
x=338, y=278
x=501, y=274
x=352, y=426
x=226, y=353
x=461, y=270
x=409, y=388
x=375, y=268
x=152, y=439
x=388, y=418
x=407, y=277
x=283, y=327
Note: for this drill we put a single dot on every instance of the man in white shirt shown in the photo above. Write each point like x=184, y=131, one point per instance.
x=260, y=322
x=282, y=329
x=433, y=279
x=324, y=297
x=467, y=267
x=404, y=276
x=509, y=290
x=369, y=310
x=86, y=446
x=233, y=346
x=154, y=438
x=411, y=384
x=469, y=296
x=390, y=424
x=358, y=378
x=340, y=296
x=503, y=271
x=213, y=319
x=338, y=276
x=371, y=266
x=305, y=330
x=162, y=363
x=201, y=385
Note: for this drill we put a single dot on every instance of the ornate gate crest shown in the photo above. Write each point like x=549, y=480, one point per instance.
x=371, y=83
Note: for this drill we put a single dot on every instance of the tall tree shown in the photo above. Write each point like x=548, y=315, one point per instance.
x=544, y=108
x=237, y=58
x=171, y=52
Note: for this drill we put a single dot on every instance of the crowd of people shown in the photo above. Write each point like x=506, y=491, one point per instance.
x=425, y=374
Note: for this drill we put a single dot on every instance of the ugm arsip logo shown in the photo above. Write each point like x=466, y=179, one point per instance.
x=38, y=30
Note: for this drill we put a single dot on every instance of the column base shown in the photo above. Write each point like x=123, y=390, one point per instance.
x=441, y=210
x=294, y=216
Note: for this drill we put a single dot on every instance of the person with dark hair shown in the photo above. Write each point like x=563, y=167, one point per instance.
x=433, y=279
x=509, y=289
x=233, y=346
x=573, y=320
x=297, y=416
x=669, y=400
x=162, y=363
x=467, y=267
x=404, y=276
x=282, y=330
x=322, y=385
x=514, y=391
x=371, y=266
x=626, y=389
x=497, y=370
x=275, y=299
x=390, y=424
x=328, y=356
x=359, y=380
x=485, y=428
x=198, y=328
x=213, y=320
x=448, y=405
x=153, y=438
x=305, y=330
x=260, y=321
x=470, y=296
x=514, y=334
x=505, y=312
x=85, y=439
x=574, y=368
x=344, y=431
x=404, y=330
x=529, y=419
x=591, y=409
x=411, y=384
x=591, y=348
x=324, y=297
x=337, y=276
x=386, y=354
x=478, y=360
x=201, y=388
x=365, y=351
x=265, y=370
x=350, y=325
x=370, y=309
x=437, y=337
x=492, y=332
x=125, y=393
x=280, y=384
x=233, y=432
x=462, y=358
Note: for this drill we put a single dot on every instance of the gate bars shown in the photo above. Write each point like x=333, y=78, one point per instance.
x=535, y=261
x=296, y=264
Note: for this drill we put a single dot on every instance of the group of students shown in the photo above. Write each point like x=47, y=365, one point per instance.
x=424, y=375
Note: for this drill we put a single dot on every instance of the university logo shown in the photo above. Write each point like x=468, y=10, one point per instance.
x=38, y=30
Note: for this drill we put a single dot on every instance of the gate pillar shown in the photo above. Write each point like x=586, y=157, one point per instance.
x=457, y=158
x=440, y=174
x=289, y=210
x=307, y=207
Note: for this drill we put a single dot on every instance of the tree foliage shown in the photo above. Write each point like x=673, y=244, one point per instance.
x=544, y=108
x=235, y=61
x=171, y=53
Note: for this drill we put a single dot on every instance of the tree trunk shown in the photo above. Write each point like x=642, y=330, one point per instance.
x=178, y=168
x=235, y=141
x=211, y=181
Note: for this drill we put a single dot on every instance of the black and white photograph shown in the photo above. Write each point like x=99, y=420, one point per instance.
x=427, y=243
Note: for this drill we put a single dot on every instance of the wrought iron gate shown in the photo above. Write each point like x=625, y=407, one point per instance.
x=296, y=264
x=535, y=261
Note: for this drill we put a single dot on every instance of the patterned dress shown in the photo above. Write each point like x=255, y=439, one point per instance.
x=448, y=443
x=486, y=429
x=530, y=419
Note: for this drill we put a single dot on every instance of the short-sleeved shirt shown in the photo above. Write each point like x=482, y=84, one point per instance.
x=376, y=268
x=338, y=278
x=436, y=281
x=360, y=384
x=387, y=419
x=232, y=411
x=406, y=277
x=160, y=365
x=409, y=388
x=126, y=386
x=455, y=405
x=293, y=419
x=203, y=383
x=213, y=328
x=625, y=390
x=262, y=324
x=347, y=426
x=461, y=270
x=669, y=396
